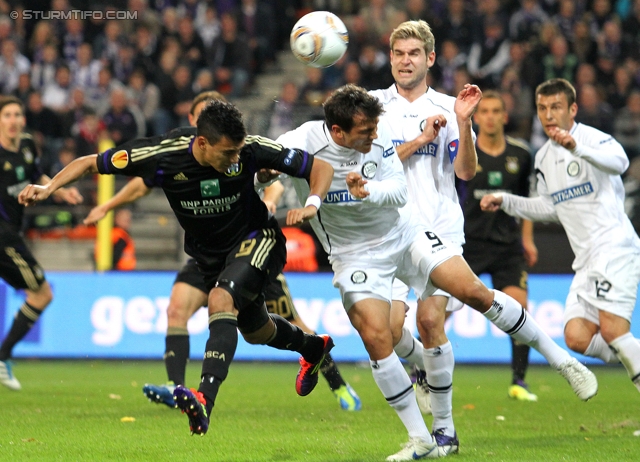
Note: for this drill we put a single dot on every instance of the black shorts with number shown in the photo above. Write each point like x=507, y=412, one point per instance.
x=17, y=265
x=504, y=262
x=264, y=250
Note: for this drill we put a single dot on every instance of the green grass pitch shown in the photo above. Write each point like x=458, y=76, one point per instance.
x=73, y=410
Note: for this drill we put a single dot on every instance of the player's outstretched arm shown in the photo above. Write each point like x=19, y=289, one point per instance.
x=320, y=179
x=35, y=193
x=491, y=202
x=466, y=161
x=432, y=126
x=132, y=191
x=272, y=195
x=69, y=195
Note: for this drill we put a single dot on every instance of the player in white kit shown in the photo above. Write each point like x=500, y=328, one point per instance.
x=433, y=135
x=370, y=239
x=579, y=186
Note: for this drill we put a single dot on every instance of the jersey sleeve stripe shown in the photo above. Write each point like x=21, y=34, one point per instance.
x=165, y=143
x=138, y=156
x=262, y=141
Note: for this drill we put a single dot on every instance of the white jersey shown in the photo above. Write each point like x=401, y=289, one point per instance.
x=584, y=192
x=346, y=224
x=429, y=171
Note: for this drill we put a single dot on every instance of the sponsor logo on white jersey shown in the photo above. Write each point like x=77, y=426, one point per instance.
x=572, y=192
x=335, y=197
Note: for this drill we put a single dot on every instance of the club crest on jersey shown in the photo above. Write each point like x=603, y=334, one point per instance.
x=512, y=165
x=234, y=170
x=120, y=159
x=7, y=166
x=209, y=188
x=28, y=155
x=573, y=169
x=369, y=169
x=359, y=277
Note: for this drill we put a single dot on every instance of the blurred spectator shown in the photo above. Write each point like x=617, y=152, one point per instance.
x=108, y=42
x=374, y=68
x=525, y=23
x=600, y=13
x=164, y=119
x=585, y=74
x=631, y=26
x=146, y=16
x=85, y=69
x=620, y=89
x=24, y=88
x=184, y=94
x=231, y=59
x=313, y=91
x=119, y=119
x=124, y=249
x=519, y=104
x=461, y=77
x=66, y=155
x=449, y=59
x=97, y=97
x=88, y=133
x=352, y=74
x=75, y=112
x=584, y=46
x=627, y=125
x=72, y=39
x=42, y=36
x=257, y=23
x=559, y=63
x=283, y=110
x=144, y=95
x=44, y=72
x=146, y=51
x=421, y=9
x=489, y=55
x=191, y=44
x=56, y=95
x=191, y=9
x=610, y=42
x=41, y=119
x=380, y=18
x=208, y=26
x=592, y=110
x=124, y=64
x=12, y=64
x=203, y=81
x=457, y=25
x=566, y=18
x=170, y=21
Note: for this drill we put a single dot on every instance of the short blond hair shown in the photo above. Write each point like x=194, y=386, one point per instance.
x=205, y=96
x=414, y=30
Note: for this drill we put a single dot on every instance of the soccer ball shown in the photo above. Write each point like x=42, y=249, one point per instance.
x=319, y=39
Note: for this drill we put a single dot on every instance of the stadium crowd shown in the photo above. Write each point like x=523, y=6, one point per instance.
x=84, y=80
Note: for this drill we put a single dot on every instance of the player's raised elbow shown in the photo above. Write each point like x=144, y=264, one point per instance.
x=466, y=174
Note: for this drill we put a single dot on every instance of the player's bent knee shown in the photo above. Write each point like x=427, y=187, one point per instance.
x=243, y=282
x=576, y=342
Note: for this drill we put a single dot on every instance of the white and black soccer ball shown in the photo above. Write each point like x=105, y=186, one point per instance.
x=319, y=39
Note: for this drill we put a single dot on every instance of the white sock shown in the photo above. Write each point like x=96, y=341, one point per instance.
x=510, y=317
x=410, y=349
x=628, y=350
x=598, y=348
x=439, y=364
x=396, y=387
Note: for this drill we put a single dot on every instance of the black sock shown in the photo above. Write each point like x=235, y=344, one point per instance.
x=519, y=359
x=24, y=320
x=176, y=355
x=292, y=338
x=331, y=373
x=219, y=352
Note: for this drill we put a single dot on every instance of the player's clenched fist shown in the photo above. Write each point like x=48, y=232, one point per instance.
x=355, y=183
x=33, y=193
x=491, y=202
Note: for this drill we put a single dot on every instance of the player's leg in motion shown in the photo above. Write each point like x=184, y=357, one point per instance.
x=455, y=276
x=21, y=271
x=240, y=289
x=188, y=294
x=407, y=346
x=610, y=341
x=519, y=354
x=278, y=300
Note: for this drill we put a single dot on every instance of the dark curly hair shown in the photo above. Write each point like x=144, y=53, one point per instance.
x=220, y=119
x=347, y=102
